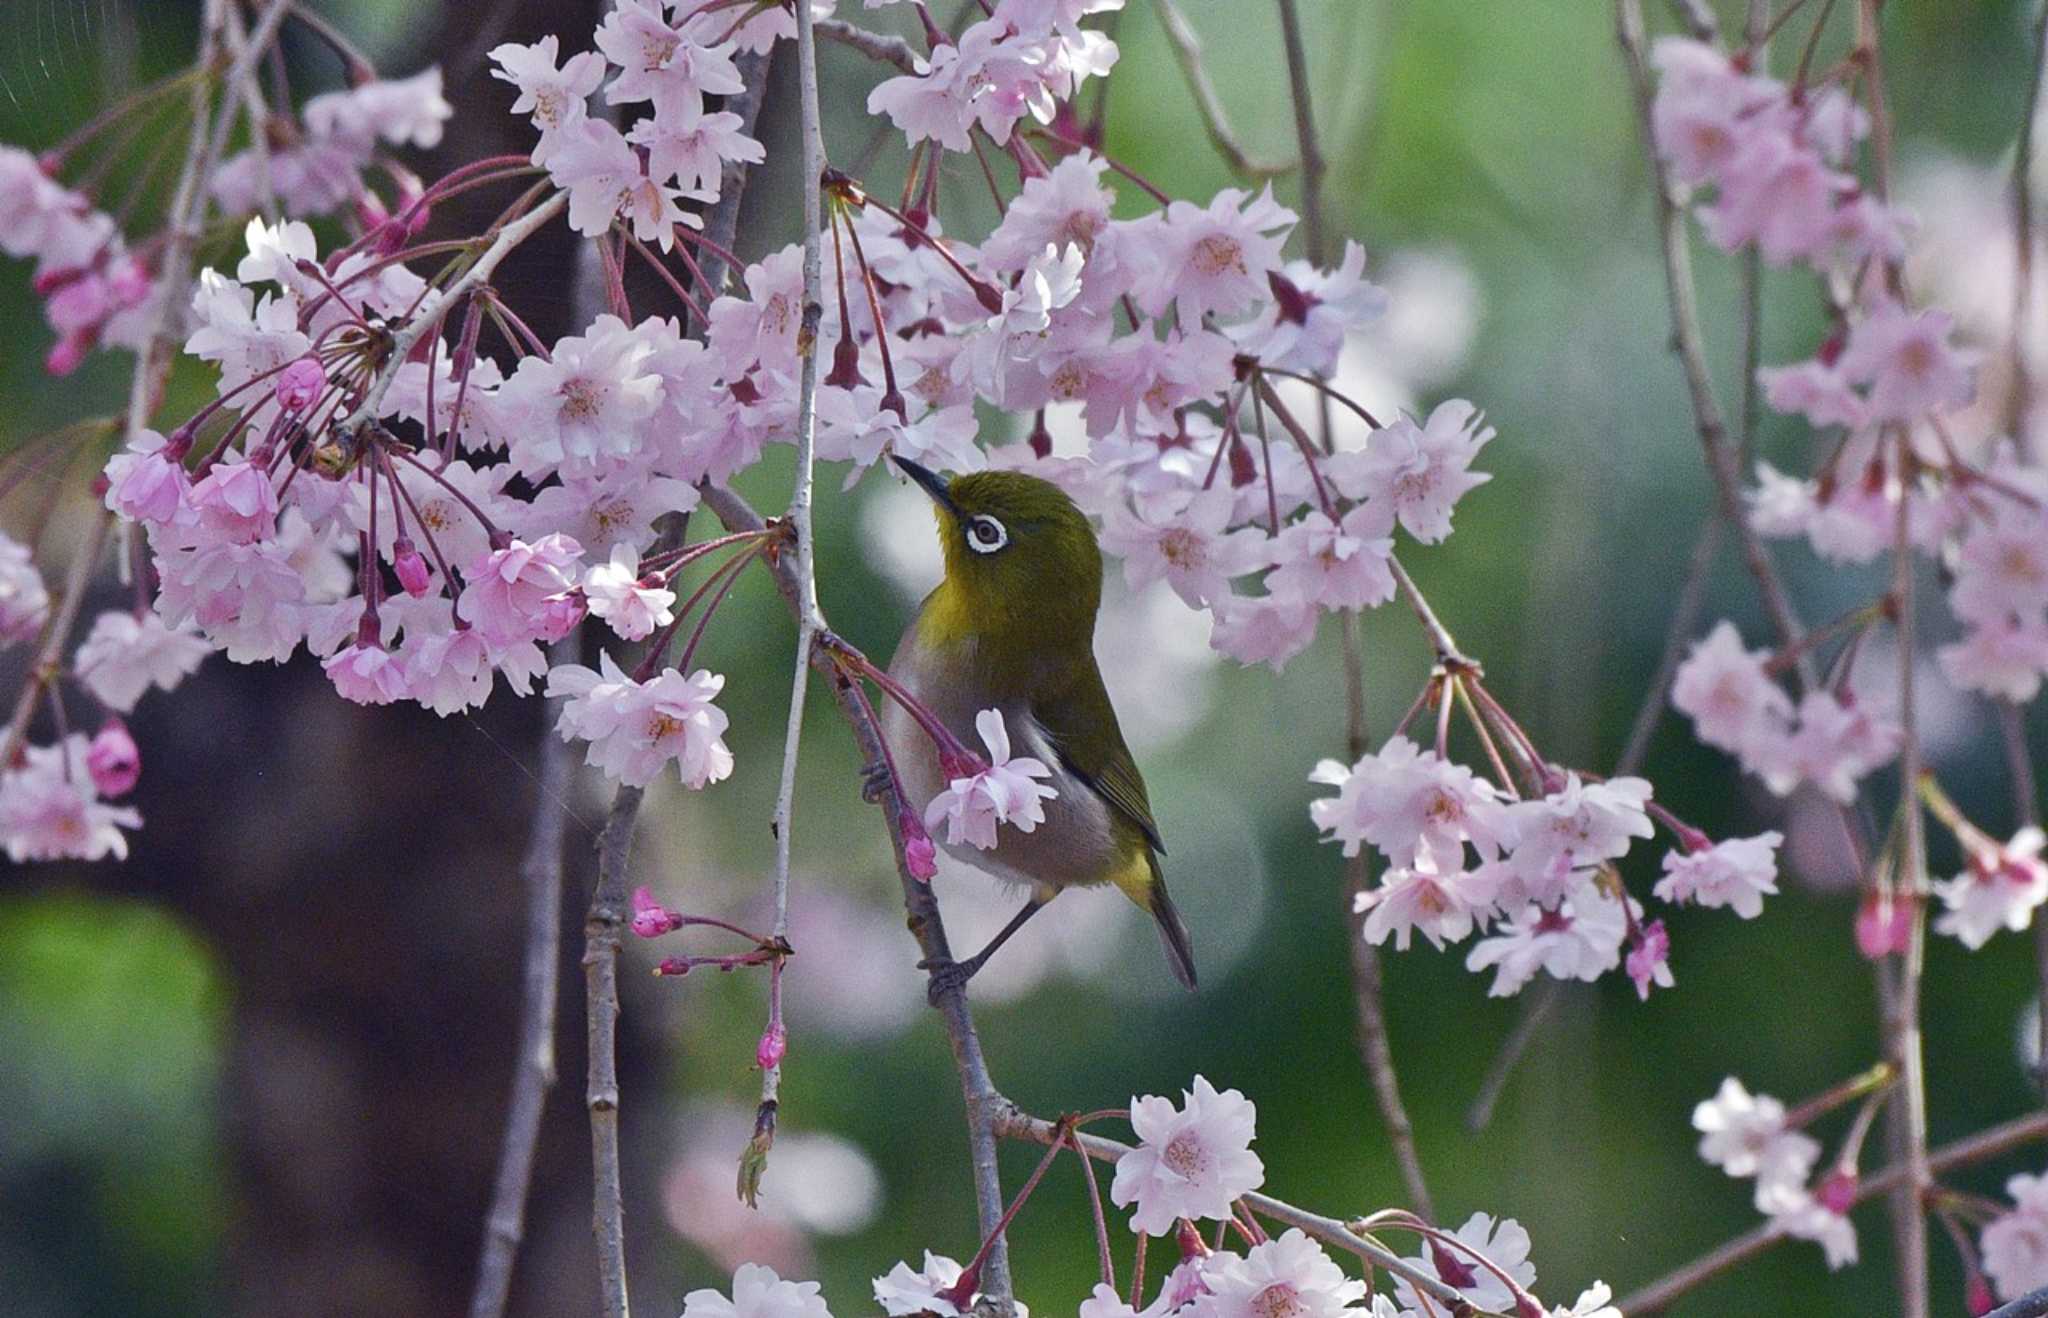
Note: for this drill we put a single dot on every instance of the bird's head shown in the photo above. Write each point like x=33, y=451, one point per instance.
x=1018, y=553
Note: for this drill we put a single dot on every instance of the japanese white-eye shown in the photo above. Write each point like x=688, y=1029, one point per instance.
x=1012, y=628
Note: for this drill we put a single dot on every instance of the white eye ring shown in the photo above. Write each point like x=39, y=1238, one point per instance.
x=985, y=534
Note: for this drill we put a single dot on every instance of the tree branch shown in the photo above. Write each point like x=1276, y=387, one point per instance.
x=608, y=904
x=1187, y=49
x=2031, y=1305
x=1312, y=164
x=601, y=938
x=893, y=51
x=983, y=1101
x=1985, y=1144
x=533, y=1071
x=1012, y=1122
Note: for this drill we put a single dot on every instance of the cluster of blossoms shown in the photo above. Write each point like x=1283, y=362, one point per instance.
x=1884, y=390
x=1885, y=383
x=2015, y=1243
x=94, y=289
x=1463, y=854
x=423, y=517
x=1194, y=1164
x=1750, y=1136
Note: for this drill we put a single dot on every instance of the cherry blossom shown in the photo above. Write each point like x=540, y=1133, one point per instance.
x=1745, y=1135
x=757, y=1292
x=905, y=1291
x=2000, y=890
x=1006, y=792
x=1192, y=1162
x=1503, y=1243
x=629, y=606
x=634, y=727
x=1289, y=1274
x=2016, y=1245
x=24, y=601
x=50, y=807
x=1580, y=939
x=1190, y=547
x=1737, y=873
x=1421, y=470
x=124, y=654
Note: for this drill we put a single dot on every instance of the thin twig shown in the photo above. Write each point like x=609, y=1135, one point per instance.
x=601, y=939
x=802, y=560
x=533, y=1072
x=1975, y=1148
x=982, y=1100
x=2023, y=250
x=2031, y=1305
x=608, y=908
x=893, y=51
x=1536, y=1008
x=1684, y=621
x=1367, y=981
x=1698, y=18
x=1312, y=163
x=1187, y=49
x=1902, y=1021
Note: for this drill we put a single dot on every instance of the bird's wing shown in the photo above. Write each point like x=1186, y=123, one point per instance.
x=1081, y=726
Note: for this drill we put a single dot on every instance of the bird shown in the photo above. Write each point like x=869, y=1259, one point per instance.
x=1012, y=628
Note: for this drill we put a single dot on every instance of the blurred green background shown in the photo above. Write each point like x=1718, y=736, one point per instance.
x=1486, y=155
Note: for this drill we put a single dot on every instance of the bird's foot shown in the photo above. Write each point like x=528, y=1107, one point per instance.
x=947, y=977
x=874, y=780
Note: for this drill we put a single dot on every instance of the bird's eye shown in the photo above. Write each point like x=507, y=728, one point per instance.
x=985, y=534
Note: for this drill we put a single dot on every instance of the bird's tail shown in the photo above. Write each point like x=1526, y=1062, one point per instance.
x=1173, y=934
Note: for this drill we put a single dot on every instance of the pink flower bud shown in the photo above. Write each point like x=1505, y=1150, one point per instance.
x=299, y=384
x=67, y=353
x=113, y=759
x=1837, y=1191
x=774, y=1045
x=1977, y=1297
x=560, y=615
x=1192, y=1246
x=1883, y=926
x=920, y=853
x=650, y=918
x=1454, y=1271
x=410, y=567
x=128, y=280
x=675, y=965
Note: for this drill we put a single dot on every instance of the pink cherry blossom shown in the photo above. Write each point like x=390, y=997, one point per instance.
x=635, y=728
x=1737, y=873
x=757, y=1292
x=1745, y=1135
x=49, y=808
x=905, y=1291
x=629, y=606
x=2001, y=889
x=1581, y=939
x=1726, y=691
x=24, y=600
x=1190, y=1162
x=1191, y=547
x=557, y=97
x=510, y=590
x=113, y=759
x=1289, y=1274
x=1214, y=258
x=1336, y=565
x=1007, y=792
x=1649, y=961
x=1906, y=359
x=2016, y=1245
x=125, y=653
x=1503, y=1242
x=1443, y=906
x=1421, y=471
x=1411, y=804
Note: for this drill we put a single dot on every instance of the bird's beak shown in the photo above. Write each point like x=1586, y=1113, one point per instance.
x=933, y=483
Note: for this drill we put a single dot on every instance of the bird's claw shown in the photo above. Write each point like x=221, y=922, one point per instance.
x=947, y=977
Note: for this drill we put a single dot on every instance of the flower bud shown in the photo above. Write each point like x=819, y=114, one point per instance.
x=560, y=615
x=1453, y=1270
x=67, y=353
x=410, y=567
x=1977, y=1297
x=650, y=918
x=1883, y=926
x=774, y=1045
x=1837, y=1192
x=300, y=383
x=113, y=759
x=920, y=853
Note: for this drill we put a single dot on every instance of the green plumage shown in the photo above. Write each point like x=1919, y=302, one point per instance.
x=1012, y=627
